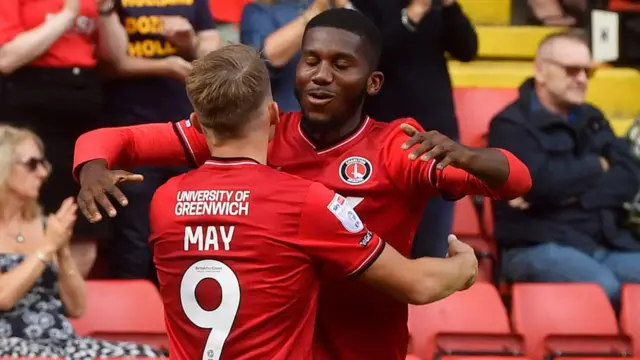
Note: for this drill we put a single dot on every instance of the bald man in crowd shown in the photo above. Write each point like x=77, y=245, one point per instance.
x=566, y=229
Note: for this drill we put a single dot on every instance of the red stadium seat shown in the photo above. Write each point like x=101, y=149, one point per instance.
x=484, y=357
x=475, y=107
x=123, y=310
x=597, y=358
x=566, y=318
x=630, y=314
x=412, y=357
x=472, y=321
x=466, y=226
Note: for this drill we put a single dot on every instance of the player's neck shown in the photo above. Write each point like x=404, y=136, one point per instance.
x=252, y=147
x=330, y=134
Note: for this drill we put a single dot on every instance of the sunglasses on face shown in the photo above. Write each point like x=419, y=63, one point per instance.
x=32, y=164
x=574, y=70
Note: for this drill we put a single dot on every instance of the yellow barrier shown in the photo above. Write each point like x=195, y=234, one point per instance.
x=615, y=90
x=487, y=12
x=511, y=42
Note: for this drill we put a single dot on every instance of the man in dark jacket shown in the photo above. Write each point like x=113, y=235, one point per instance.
x=567, y=229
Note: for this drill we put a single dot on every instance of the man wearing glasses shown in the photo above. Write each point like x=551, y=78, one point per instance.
x=567, y=228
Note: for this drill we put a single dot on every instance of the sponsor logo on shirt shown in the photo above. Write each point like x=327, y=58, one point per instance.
x=366, y=239
x=355, y=170
x=349, y=219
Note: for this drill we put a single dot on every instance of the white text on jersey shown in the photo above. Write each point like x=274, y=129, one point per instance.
x=207, y=237
x=212, y=202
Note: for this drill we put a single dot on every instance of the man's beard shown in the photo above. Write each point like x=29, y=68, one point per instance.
x=337, y=120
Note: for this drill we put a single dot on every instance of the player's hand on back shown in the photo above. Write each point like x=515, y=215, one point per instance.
x=96, y=181
x=467, y=261
x=434, y=145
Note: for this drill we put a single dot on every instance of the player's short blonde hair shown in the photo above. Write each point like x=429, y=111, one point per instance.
x=227, y=87
x=10, y=138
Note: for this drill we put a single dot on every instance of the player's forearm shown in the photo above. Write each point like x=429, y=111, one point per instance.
x=131, y=146
x=439, y=278
x=501, y=171
x=489, y=165
x=113, y=145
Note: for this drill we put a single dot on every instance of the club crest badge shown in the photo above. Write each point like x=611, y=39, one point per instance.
x=355, y=170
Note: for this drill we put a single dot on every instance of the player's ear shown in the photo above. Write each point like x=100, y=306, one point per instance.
x=374, y=83
x=274, y=113
x=274, y=118
x=195, y=121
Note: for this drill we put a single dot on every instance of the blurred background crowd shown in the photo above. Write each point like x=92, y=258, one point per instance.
x=556, y=82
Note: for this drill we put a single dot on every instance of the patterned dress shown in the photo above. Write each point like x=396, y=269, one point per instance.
x=37, y=326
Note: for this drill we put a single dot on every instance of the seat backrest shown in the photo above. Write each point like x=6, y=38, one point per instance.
x=477, y=310
x=630, y=314
x=475, y=107
x=121, y=307
x=465, y=219
x=542, y=309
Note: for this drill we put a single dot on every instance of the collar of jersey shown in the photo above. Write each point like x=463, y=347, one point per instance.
x=355, y=134
x=228, y=161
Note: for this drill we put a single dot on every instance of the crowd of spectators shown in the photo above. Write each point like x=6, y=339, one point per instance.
x=95, y=63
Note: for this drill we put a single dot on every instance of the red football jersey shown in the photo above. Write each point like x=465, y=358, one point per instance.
x=369, y=168
x=237, y=260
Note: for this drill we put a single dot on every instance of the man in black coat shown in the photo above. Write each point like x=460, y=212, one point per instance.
x=568, y=228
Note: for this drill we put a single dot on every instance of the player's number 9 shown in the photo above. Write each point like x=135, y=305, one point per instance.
x=220, y=320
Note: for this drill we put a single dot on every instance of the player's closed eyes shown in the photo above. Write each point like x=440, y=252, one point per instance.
x=341, y=65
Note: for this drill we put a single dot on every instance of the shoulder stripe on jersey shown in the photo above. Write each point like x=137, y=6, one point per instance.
x=432, y=176
x=375, y=254
x=188, y=151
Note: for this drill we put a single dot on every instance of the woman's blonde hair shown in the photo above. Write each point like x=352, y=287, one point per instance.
x=10, y=138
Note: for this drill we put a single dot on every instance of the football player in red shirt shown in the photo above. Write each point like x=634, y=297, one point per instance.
x=334, y=143
x=263, y=244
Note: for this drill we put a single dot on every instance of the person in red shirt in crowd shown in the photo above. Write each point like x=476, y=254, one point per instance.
x=218, y=223
x=332, y=142
x=227, y=15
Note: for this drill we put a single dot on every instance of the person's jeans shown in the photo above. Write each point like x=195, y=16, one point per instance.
x=551, y=262
x=434, y=228
x=131, y=256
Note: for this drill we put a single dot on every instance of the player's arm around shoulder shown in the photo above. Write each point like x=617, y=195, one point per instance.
x=431, y=160
x=425, y=280
x=332, y=232
x=407, y=175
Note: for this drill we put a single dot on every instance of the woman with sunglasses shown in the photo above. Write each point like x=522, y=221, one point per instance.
x=39, y=281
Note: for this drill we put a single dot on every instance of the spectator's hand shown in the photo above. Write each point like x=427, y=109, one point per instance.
x=434, y=145
x=417, y=9
x=96, y=181
x=60, y=225
x=340, y=3
x=519, y=203
x=319, y=6
x=468, y=261
x=104, y=4
x=179, y=32
x=72, y=6
x=178, y=67
x=604, y=163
